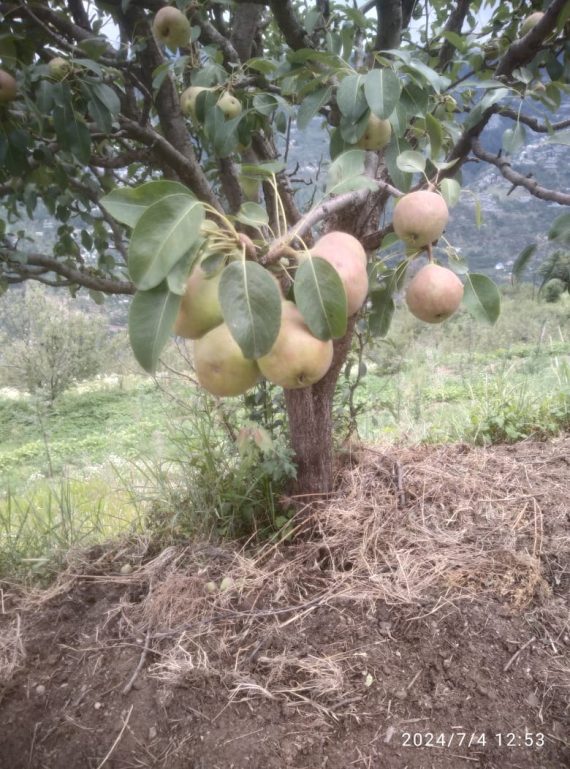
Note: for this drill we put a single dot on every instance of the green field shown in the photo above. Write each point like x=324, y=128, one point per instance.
x=111, y=452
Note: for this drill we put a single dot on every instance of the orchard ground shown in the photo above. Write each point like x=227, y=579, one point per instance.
x=430, y=598
x=423, y=624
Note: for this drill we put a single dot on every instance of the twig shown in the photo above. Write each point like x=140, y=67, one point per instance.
x=518, y=652
x=127, y=688
x=400, y=484
x=114, y=745
x=517, y=179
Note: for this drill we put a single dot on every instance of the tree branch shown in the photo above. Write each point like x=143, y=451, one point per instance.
x=187, y=169
x=86, y=277
x=453, y=24
x=295, y=35
x=532, y=122
x=389, y=27
x=504, y=166
x=522, y=51
x=244, y=28
x=324, y=211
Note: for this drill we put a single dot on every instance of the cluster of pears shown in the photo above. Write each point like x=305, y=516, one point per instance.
x=297, y=359
x=435, y=292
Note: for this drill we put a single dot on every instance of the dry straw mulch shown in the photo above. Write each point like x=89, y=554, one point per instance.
x=421, y=528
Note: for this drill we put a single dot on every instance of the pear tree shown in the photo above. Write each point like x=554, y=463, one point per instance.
x=158, y=137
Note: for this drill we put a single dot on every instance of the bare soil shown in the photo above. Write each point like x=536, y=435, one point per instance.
x=423, y=624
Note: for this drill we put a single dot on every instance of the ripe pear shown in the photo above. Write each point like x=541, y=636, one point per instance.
x=200, y=308
x=348, y=257
x=297, y=359
x=8, y=87
x=220, y=365
x=377, y=134
x=420, y=218
x=59, y=68
x=230, y=106
x=434, y=293
x=171, y=27
x=188, y=100
x=530, y=22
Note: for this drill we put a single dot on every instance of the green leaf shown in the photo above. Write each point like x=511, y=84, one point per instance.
x=311, y=106
x=263, y=169
x=127, y=204
x=402, y=180
x=438, y=82
x=253, y=214
x=347, y=173
x=265, y=66
x=178, y=275
x=72, y=133
x=560, y=227
x=251, y=306
x=382, y=90
x=161, y=237
x=487, y=101
x=514, y=138
x=451, y=191
x=265, y=103
x=482, y=298
x=411, y=161
x=94, y=47
x=522, y=260
x=221, y=132
x=151, y=318
x=562, y=137
x=435, y=133
x=350, y=97
x=478, y=213
x=107, y=96
x=321, y=298
x=382, y=312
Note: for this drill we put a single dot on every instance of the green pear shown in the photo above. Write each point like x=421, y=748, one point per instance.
x=8, y=87
x=434, y=293
x=297, y=359
x=377, y=134
x=200, y=308
x=530, y=22
x=171, y=27
x=230, y=106
x=348, y=257
x=220, y=365
x=59, y=68
x=188, y=100
x=420, y=218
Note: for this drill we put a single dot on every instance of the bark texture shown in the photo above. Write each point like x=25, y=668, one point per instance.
x=311, y=426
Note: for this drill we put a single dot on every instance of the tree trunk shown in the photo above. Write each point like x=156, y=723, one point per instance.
x=311, y=426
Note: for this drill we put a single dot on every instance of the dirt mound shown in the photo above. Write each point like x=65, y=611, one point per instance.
x=423, y=624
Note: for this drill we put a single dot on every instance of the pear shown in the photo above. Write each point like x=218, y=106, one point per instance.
x=420, y=218
x=434, y=293
x=220, y=365
x=348, y=257
x=171, y=27
x=200, y=308
x=188, y=100
x=59, y=68
x=530, y=22
x=8, y=87
x=377, y=134
x=230, y=106
x=297, y=359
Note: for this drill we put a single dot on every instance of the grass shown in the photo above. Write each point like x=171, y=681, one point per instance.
x=113, y=459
